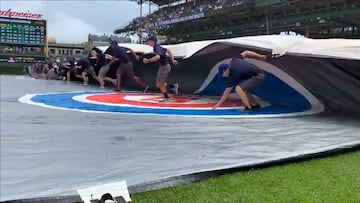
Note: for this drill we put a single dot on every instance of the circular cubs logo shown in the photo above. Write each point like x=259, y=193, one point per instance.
x=151, y=103
x=142, y=100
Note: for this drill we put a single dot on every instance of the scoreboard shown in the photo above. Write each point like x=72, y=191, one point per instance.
x=25, y=32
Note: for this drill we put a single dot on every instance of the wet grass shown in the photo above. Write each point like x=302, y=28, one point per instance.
x=11, y=68
x=332, y=179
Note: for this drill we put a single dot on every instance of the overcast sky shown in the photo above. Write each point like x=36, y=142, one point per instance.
x=71, y=21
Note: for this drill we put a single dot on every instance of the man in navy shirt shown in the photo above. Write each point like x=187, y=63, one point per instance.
x=82, y=65
x=69, y=66
x=244, y=76
x=163, y=56
x=85, y=67
x=125, y=65
x=107, y=62
x=97, y=59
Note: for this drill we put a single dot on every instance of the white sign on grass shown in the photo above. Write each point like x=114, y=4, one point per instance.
x=116, y=189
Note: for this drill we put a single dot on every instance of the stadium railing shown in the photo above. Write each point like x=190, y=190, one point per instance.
x=280, y=21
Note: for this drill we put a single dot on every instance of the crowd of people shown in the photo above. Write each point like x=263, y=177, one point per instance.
x=71, y=67
x=48, y=70
x=165, y=14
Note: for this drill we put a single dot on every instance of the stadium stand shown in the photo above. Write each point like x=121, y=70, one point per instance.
x=213, y=19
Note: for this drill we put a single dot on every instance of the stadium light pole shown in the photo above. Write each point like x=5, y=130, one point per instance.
x=140, y=37
x=140, y=2
x=47, y=30
x=267, y=19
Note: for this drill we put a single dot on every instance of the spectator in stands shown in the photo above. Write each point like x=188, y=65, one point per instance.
x=183, y=10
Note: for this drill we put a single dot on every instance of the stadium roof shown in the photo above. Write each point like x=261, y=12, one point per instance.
x=164, y=2
x=158, y=2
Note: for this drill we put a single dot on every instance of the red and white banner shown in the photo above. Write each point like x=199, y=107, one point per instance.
x=26, y=15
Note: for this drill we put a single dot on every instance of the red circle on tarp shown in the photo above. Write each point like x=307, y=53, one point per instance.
x=153, y=100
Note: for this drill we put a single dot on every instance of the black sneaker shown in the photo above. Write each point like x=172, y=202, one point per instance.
x=116, y=90
x=247, y=110
x=257, y=106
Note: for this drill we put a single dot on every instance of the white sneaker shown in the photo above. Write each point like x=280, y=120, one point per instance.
x=176, y=89
x=165, y=100
x=86, y=81
x=146, y=88
x=114, y=82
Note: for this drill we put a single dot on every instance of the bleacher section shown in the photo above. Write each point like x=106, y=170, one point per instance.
x=229, y=18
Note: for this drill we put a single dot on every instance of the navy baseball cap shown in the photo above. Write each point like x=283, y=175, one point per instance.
x=222, y=68
x=113, y=42
x=152, y=38
x=70, y=59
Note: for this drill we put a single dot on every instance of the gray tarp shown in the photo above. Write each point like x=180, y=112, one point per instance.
x=47, y=152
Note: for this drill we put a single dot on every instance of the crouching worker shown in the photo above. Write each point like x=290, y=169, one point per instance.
x=86, y=69
x=244, y=76
x=69, y=66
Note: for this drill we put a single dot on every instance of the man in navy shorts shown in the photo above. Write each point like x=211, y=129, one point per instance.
x=244, y=76
x=163, y=56
x=125, y=65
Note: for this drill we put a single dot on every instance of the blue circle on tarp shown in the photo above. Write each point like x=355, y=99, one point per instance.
x=65, y=101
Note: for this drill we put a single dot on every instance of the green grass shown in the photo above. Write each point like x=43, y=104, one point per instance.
x=333, y=179
x=11, y=68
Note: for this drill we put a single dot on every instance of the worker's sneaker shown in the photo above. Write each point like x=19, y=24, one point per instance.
x=146, y=88
x=175, y=89
x=247, y=110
